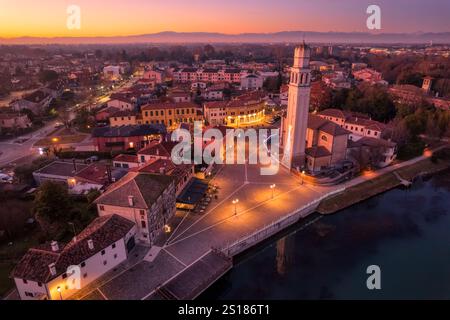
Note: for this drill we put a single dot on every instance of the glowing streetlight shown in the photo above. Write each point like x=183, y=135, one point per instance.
x=303, y=176
x=273, y=186
x=55, y=139
x=235, y=202
x=59, y=290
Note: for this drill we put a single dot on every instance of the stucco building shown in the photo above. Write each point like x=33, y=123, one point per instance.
x=148, y=200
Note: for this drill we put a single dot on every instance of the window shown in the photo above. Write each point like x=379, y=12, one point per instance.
x=115, y=256
x=103, y=252
x=25, y=281
x=39, y=284
x=151, y=113
x=324, y=138
x=162, y=112
x=28, y=294
x=102, y=208
x=113, y=246
x=143, y=224
x=85, y=275
x=105, y=263
x=64, y=275
x=83, y=264
x=156, y=113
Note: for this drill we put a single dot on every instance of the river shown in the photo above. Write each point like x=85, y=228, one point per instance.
x=406, y=232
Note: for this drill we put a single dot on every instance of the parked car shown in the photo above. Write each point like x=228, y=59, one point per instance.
x=92, y=159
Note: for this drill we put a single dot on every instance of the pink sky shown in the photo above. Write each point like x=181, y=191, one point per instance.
x=119, y=17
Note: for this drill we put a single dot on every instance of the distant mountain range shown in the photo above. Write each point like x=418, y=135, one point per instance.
x=277, y=37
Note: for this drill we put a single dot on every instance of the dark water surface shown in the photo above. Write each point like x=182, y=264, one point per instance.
x=405, y=232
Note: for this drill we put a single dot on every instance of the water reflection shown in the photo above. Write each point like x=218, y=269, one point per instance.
x=404, y=231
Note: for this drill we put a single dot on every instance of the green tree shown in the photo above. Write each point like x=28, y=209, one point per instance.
x=46, y=76
x=52, y=203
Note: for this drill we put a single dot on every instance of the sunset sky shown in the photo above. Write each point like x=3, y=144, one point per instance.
x=130, y=17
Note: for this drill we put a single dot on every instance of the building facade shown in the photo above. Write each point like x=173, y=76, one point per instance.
x=56, y=271
x=171, y=114
x=146, y=199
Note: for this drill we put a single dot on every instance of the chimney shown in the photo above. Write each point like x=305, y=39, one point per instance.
x=52, y=268
x=90, y=244
x=55, y=246
x=131, y=201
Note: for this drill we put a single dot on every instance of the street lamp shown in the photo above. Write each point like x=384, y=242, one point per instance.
x=273, y=186
x=235, y=202
x=303, y=176
x=59, y=290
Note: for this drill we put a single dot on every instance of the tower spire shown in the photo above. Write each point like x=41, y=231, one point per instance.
x=294, y=127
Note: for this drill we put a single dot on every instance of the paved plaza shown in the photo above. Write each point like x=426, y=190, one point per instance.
x=195, y=235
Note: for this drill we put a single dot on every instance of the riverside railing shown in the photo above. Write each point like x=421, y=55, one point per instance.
x=250, y=239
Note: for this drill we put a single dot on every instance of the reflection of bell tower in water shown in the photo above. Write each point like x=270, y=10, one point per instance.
x=285, y=254
x=294, y=125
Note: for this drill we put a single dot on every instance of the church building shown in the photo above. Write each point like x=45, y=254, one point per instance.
x=309, y=142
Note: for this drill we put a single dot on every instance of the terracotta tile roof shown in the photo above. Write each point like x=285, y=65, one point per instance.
x=145, y=189
x=124, y=113
x=169, y=105
x=109, y=110
x=190, y=70
x=232, y=71
x=129, y=130
x=367, y=123
x=123, y=97
x=59, y=168
x=166, y=167
x=317, y=152
x=156, y=148
x=103, y=231
x=318, y=123
x=96, y=173
x=372, y=142
x=335, y=113
x=126, y=158
x=215, y=104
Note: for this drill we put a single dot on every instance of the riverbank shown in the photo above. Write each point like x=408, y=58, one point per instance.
x=403, y=231
x=381, y=184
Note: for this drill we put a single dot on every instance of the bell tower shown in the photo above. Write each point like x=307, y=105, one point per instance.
x=294, y=125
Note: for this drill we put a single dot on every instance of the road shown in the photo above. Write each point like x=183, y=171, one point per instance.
x=12, y=152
